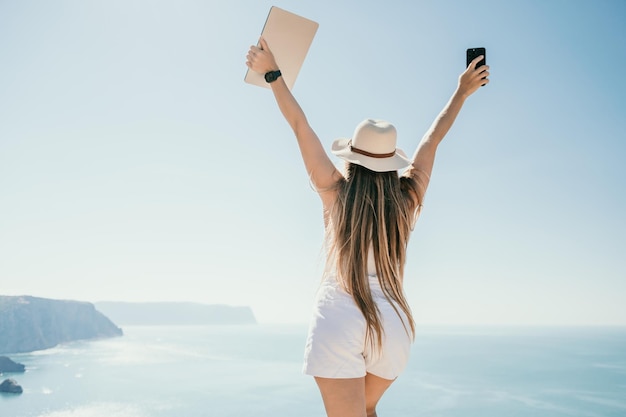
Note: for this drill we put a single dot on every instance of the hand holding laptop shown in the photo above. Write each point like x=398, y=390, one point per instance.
x=290, y=37
x=261, y=59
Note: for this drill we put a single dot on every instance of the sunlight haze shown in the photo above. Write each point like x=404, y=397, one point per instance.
x=136, y=165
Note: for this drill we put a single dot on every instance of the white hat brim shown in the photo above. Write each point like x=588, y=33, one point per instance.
x=341, y=148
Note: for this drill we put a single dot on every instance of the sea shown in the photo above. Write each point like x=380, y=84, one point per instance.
x=237, y=371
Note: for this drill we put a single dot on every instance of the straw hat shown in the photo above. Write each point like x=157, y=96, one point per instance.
x=373, y=146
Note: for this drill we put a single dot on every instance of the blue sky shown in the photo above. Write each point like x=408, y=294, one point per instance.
x=135, y=163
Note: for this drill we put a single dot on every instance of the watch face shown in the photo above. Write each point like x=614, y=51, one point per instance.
x=272, y=76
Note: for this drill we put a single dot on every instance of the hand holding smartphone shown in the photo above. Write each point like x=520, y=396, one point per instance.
x=472, y=53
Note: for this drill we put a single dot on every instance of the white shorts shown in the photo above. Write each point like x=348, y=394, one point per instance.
x=336, y=345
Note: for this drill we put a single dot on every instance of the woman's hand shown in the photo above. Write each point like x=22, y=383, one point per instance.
x=261, y=59
x=472, y=78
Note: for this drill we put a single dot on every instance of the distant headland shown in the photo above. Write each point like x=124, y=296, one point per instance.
x=31, y=323
x=174, y=313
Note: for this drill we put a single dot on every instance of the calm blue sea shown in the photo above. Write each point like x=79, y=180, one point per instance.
x=255, y=371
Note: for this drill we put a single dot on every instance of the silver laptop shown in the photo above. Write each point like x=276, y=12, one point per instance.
x=289, y=37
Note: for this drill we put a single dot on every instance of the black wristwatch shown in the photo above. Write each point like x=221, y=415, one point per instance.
x=272, y=76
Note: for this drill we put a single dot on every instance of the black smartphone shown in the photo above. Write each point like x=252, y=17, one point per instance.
x=472, y=53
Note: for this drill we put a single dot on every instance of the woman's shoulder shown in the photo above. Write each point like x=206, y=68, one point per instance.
x=414, y=183
x=330, y=192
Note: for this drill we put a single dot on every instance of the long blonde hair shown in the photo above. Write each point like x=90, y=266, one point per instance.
x=377, y=209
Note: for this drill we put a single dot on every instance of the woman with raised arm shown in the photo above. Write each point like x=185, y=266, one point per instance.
x=362, y=328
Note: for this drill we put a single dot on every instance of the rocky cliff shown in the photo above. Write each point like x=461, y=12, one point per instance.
x=31, y=323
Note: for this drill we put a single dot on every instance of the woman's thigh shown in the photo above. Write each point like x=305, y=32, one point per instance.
x=352, y=397
x=343, y=397
x=375, y=387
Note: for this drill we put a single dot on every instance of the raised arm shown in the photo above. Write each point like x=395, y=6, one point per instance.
x=321, y=170
x=423, y=159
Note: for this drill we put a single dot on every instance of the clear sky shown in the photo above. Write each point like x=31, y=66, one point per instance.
x=136, y=165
